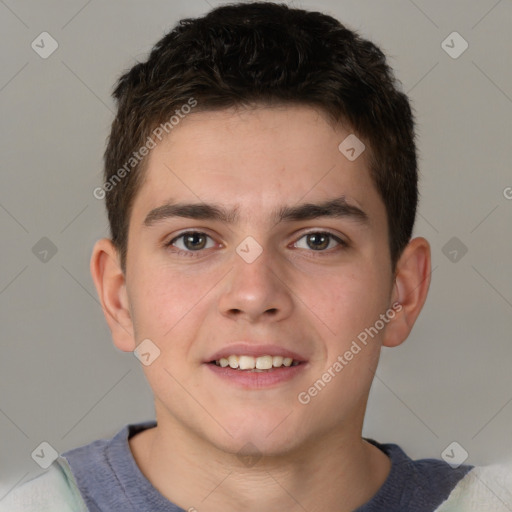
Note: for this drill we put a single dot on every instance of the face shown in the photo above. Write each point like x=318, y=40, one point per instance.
x=227, y=256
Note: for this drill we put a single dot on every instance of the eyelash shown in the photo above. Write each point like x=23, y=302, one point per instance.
x=194, y=254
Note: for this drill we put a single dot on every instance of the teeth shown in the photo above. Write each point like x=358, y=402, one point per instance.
x=277, y=361
x=246, y=363
x=264, y=362
x=255, y=363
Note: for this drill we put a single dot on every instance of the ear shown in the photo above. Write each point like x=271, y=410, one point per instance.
x=412, y=281
x=110, y=284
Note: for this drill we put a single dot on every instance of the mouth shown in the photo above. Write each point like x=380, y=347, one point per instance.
x=247, y=363
x=252, y=366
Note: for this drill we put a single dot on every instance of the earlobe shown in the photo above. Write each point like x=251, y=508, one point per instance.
x=412, y=281
x=111, y=288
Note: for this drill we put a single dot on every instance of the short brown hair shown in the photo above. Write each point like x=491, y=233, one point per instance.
x=266, y=53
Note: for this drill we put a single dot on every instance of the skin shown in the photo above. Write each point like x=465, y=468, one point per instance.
x=311, y=457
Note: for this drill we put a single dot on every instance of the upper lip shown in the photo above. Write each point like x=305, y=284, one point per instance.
x=249, y=349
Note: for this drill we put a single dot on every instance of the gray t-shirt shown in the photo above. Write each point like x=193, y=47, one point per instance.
x=103, y=476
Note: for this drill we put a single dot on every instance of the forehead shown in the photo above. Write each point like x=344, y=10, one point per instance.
x=256, y=160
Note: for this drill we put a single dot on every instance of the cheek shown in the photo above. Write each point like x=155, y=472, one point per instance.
x=348, y=302
x=162, y=300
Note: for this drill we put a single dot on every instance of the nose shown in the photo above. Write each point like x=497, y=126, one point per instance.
x=257, y=291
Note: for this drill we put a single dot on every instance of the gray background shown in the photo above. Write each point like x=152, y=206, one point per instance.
x=61, y=379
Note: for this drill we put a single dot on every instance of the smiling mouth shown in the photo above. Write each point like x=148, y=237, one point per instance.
x=264, y=363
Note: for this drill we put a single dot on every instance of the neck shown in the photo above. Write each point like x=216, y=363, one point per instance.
x=338, y=471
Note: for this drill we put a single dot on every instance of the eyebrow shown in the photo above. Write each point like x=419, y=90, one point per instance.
x=335, y=208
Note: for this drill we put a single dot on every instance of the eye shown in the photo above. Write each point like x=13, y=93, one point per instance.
x=192, y=241
x=319, y=241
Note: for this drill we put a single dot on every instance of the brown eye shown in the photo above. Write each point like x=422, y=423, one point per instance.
x=194, y=241
x=319, y=241
x=191, y=241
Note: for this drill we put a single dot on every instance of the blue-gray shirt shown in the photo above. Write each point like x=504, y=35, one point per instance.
x=103, y=476
x=110, y=480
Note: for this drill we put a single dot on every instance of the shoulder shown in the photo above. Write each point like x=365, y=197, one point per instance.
x=420, y=485
x=53, y=491
x=422, y=475
x=483, y=488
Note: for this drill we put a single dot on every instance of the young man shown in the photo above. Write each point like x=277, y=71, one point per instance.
x=261, y=188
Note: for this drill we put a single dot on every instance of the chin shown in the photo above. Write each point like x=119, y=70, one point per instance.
x=260, y=435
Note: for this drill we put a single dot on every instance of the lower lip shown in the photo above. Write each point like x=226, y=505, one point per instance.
x=256, y=380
